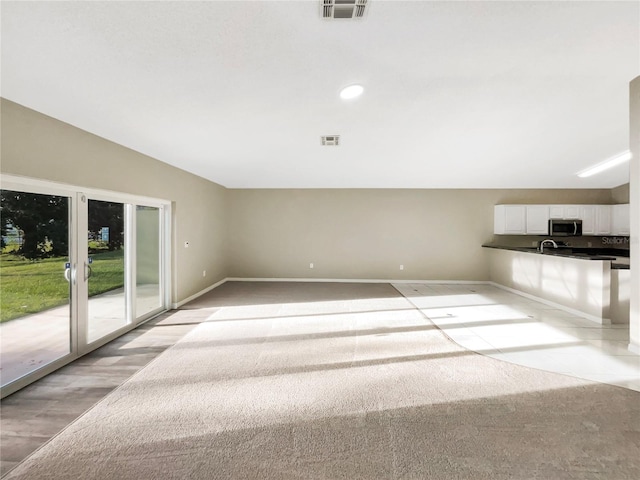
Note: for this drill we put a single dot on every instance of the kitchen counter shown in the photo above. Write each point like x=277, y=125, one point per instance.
x=598, y=289
x=573, y=252
x=580, y=284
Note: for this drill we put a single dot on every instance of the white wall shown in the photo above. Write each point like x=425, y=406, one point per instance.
x=35, y=145
x=634, y=197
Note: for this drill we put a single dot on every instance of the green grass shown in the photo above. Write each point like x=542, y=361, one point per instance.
x=32, y=286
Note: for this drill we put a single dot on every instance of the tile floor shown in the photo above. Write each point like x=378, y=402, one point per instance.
x=506, y=326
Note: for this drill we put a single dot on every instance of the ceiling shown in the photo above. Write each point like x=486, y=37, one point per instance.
x=457, y=94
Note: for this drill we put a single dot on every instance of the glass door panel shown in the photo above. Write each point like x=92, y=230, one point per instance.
x=148, y=265
x=74, y=273
x=104, y=269
x=35, y=313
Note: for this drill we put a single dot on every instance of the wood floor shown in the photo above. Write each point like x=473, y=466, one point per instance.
x=31, y=416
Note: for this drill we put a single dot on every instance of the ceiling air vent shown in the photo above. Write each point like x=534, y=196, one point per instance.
x=331, y=140
x=343, y=8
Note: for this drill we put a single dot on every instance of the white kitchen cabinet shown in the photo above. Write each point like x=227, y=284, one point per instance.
x=572, y=211
x=564, y=211
x=509, y=219
x=556, y=211
x=588, y=216
x=534, y=219
x=620, y=220
x=596, y=219
x=603, y=220
x=537, y=219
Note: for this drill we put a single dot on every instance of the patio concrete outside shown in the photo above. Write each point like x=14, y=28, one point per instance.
x=33, y=341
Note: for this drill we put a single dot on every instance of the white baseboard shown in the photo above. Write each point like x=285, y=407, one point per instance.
x=602, y=321
x=357, y=280
x=442, y=282
x=573, y=311
x=634, y=348
x=174, y=306
x=177, y=305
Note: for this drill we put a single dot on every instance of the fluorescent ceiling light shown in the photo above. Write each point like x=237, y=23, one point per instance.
x=607, y=164
x=352, y=91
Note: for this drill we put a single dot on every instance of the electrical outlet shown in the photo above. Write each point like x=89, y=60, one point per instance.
x=589, y=244
x=204, y=273
x=186, y=244
x=311, y=265
x=401, y=267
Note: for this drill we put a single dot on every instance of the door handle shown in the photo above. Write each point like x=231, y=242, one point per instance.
x=70, y=273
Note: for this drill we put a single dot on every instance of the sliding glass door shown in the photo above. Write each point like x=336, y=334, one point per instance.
x=149, y=242
x=77, y=269
x=104, y=269
x=35, y=300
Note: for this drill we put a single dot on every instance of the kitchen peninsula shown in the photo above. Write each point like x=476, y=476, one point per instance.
x=585, y=282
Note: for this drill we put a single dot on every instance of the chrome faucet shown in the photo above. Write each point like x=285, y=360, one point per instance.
x=555, y=245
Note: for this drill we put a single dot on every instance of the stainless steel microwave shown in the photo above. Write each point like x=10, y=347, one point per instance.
x=565, y=228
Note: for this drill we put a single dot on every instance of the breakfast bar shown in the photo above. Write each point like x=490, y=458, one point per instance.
x=577, y=282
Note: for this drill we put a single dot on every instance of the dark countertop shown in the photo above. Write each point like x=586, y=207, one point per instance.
x=620, y=266
x=573, y=252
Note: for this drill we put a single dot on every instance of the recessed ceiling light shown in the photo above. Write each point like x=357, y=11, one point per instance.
x=352, y=91
x=607, y=164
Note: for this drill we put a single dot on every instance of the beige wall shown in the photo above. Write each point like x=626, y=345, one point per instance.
x=368, y=234
x=38, y=146
x=620, y=194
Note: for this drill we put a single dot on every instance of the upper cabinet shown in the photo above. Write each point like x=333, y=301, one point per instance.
x=588, y=216
x=596, y=219
x=537, y=220
x=521, y=220
x=534, y=219
x=620, y=220
x=603, y=220
x=509, y=219
x=564, y=211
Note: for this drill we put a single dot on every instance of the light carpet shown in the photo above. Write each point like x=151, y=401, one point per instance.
x=292, y=381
